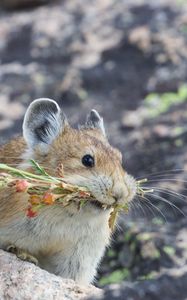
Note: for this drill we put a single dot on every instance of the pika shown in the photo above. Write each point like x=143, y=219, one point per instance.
x=64, y=240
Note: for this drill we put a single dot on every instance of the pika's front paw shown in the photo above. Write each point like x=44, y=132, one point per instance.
x=23, y=255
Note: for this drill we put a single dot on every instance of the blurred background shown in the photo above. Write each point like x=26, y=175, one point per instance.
x=128, y=60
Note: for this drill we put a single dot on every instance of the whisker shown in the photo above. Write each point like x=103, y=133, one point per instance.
x=132, y=206
x=165, y=175
x=155, y=207
x=145, y=203
x=166, y=180
x=162, y=173
x=169, y=203
x=169, y=192
x=139, y=204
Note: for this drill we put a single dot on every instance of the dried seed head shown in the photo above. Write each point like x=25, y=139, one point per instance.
x=60, y=170
x=48, y=198
x=35, y=199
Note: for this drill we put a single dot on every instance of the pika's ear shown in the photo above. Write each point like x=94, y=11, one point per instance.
x=94, y=120
x=42, y=123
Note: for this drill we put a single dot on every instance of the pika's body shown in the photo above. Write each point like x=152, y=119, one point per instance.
x=65, y=241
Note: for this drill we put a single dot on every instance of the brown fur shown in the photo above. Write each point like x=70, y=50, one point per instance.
x=67, y=149
x=64, y=240
x=10, y=153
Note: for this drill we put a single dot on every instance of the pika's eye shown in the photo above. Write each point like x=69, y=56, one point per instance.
x=88, y=161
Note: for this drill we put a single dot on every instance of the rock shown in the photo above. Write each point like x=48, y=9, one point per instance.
x=133, y=119
x=10, y=4
x=169, y=286
x=126, y=257
x=141, y=36
x=21, y=280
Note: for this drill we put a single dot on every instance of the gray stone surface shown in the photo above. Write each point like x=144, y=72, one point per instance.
x=24, y=281
x=21, y=3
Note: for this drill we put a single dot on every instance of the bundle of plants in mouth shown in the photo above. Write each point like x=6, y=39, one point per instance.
x=44, y=189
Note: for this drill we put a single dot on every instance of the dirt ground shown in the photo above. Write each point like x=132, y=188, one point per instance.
x=128, y=60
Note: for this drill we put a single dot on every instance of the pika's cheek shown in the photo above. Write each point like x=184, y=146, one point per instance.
x=76, y=179
x=131, y=186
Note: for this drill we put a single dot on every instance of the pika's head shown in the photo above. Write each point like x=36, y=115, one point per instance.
x=85, y=154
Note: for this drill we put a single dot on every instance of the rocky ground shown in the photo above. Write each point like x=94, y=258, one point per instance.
x=128, y=60
x=24, y=281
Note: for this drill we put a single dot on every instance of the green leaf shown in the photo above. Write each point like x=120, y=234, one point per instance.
x=27, y=175
x=183, y=92
x=82, y=203
x=156, y=104
x=38, y=168
x=115, y=277
x=169, y=250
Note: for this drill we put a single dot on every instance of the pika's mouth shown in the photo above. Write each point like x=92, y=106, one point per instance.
x=100, y=205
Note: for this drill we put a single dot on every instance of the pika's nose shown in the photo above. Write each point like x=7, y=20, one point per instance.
x=124, y=191
x=117, y=195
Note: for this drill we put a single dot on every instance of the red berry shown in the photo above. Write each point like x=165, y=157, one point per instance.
x=21, y=185
x=30, y=213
